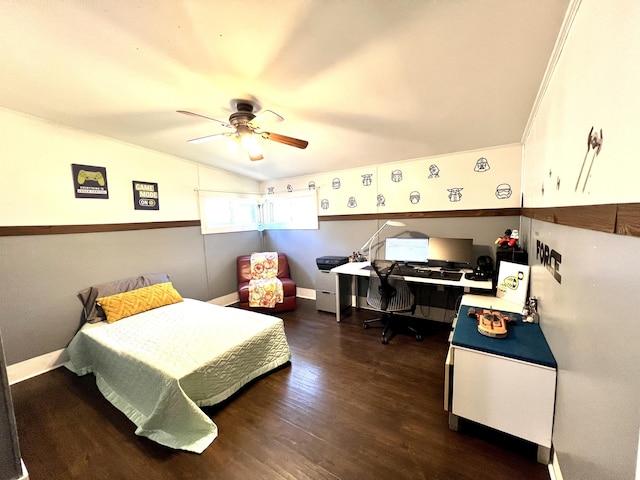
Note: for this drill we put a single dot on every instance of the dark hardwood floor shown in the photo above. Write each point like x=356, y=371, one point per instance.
x=346, y=407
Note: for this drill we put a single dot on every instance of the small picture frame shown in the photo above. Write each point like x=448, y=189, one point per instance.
x=145, y=195
x=89, y=181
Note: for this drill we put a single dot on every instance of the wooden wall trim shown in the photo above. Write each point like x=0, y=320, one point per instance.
x=628, y=219
x=601, y=218
x=97, y=228
x=618, y=218
x=496, y=212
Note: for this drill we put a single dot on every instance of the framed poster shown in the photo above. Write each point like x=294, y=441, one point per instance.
x=145, y=196
x=89, y=181
x=513, y=282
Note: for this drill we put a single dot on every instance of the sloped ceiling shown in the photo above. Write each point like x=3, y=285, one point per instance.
x=364, y=81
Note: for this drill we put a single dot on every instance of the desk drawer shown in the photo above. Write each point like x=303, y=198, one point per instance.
x=325, y=281
x=326, y=301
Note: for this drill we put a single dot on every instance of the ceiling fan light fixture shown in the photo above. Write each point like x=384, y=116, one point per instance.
x=232, y=144
x=248, y=142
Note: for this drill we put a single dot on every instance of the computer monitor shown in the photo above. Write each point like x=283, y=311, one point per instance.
x=451, y=252
x=407, y=249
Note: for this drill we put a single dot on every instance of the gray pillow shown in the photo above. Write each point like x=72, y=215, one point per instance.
x=92, y=311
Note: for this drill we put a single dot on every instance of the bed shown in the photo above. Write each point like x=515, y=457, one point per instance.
x=158, y=366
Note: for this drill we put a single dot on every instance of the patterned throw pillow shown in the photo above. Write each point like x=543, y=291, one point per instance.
x=123, y=305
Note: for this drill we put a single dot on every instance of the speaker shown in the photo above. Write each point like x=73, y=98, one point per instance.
x=484, y=270
x=513, y=255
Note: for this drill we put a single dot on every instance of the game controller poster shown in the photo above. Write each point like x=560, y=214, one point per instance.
x=89, y=181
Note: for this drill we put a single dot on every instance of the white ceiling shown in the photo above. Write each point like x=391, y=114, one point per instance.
x=364, y=81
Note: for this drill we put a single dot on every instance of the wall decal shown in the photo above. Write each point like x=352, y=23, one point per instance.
x=366, y=179
x=89, y=181
x=289, y=188
x=335, y=184
x=145, y=196
x=324, y=204
x=503, y=191
x=434, y=171
x=482, y=165
x=414, y=197
x=594, y=142
x=455, y=194
x=542, y=190
x=312, y=185
x=352, y=202
x=550, y=259
x=396, y=175
x=271, y=190
x=381, y=201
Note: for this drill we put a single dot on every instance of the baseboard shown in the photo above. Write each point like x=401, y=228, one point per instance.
x=25, y=474
x=36, y=366
x=225, y=300
x=554, y=468
x=306, y=293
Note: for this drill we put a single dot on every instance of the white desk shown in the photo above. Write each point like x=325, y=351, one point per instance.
x=348, y=271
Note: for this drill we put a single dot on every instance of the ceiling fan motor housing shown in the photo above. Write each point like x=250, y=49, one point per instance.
x=243, y=116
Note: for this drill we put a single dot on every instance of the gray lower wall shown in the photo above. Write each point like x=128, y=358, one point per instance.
x=591, y=323
x=344, y=236
x=40, y=276
x=588, y=319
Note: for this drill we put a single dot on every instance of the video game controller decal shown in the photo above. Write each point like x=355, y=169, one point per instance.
x=84, y=175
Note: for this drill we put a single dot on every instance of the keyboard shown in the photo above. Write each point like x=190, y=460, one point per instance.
x=407, y=271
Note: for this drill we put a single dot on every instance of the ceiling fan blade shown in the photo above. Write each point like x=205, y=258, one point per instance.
x=207, y=138
x=276, y=137
x=266, y=116
x=226, y=124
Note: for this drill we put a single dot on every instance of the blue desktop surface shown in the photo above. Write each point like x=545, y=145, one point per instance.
x=524, y=341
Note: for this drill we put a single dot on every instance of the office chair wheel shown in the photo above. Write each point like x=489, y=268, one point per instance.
x=385, y=340
x=365, y=325
x=419, y=337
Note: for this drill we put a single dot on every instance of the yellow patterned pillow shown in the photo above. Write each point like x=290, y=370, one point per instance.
x=122, y=305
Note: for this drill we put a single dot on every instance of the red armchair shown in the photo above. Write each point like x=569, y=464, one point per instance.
x=288, y=285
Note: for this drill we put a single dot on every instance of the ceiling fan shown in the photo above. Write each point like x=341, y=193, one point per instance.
x=246, y=129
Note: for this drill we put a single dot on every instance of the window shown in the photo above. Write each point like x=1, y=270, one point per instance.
x=292, y=210
x=227, y=212
x=236, y=212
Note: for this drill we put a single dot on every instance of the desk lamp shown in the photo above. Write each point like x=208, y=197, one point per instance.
x=369, y=242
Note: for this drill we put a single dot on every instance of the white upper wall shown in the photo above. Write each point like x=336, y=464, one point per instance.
x=487, y=178
x=594, y=84
x=37, y=188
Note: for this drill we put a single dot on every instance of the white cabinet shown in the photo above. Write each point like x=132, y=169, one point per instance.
x=508, y=384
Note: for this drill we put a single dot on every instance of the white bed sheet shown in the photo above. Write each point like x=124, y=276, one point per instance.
x=159, y=366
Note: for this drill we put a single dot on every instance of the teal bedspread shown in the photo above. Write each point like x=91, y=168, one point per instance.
x=158, y=367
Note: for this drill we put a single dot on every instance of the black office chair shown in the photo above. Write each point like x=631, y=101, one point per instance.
x=389, y=294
